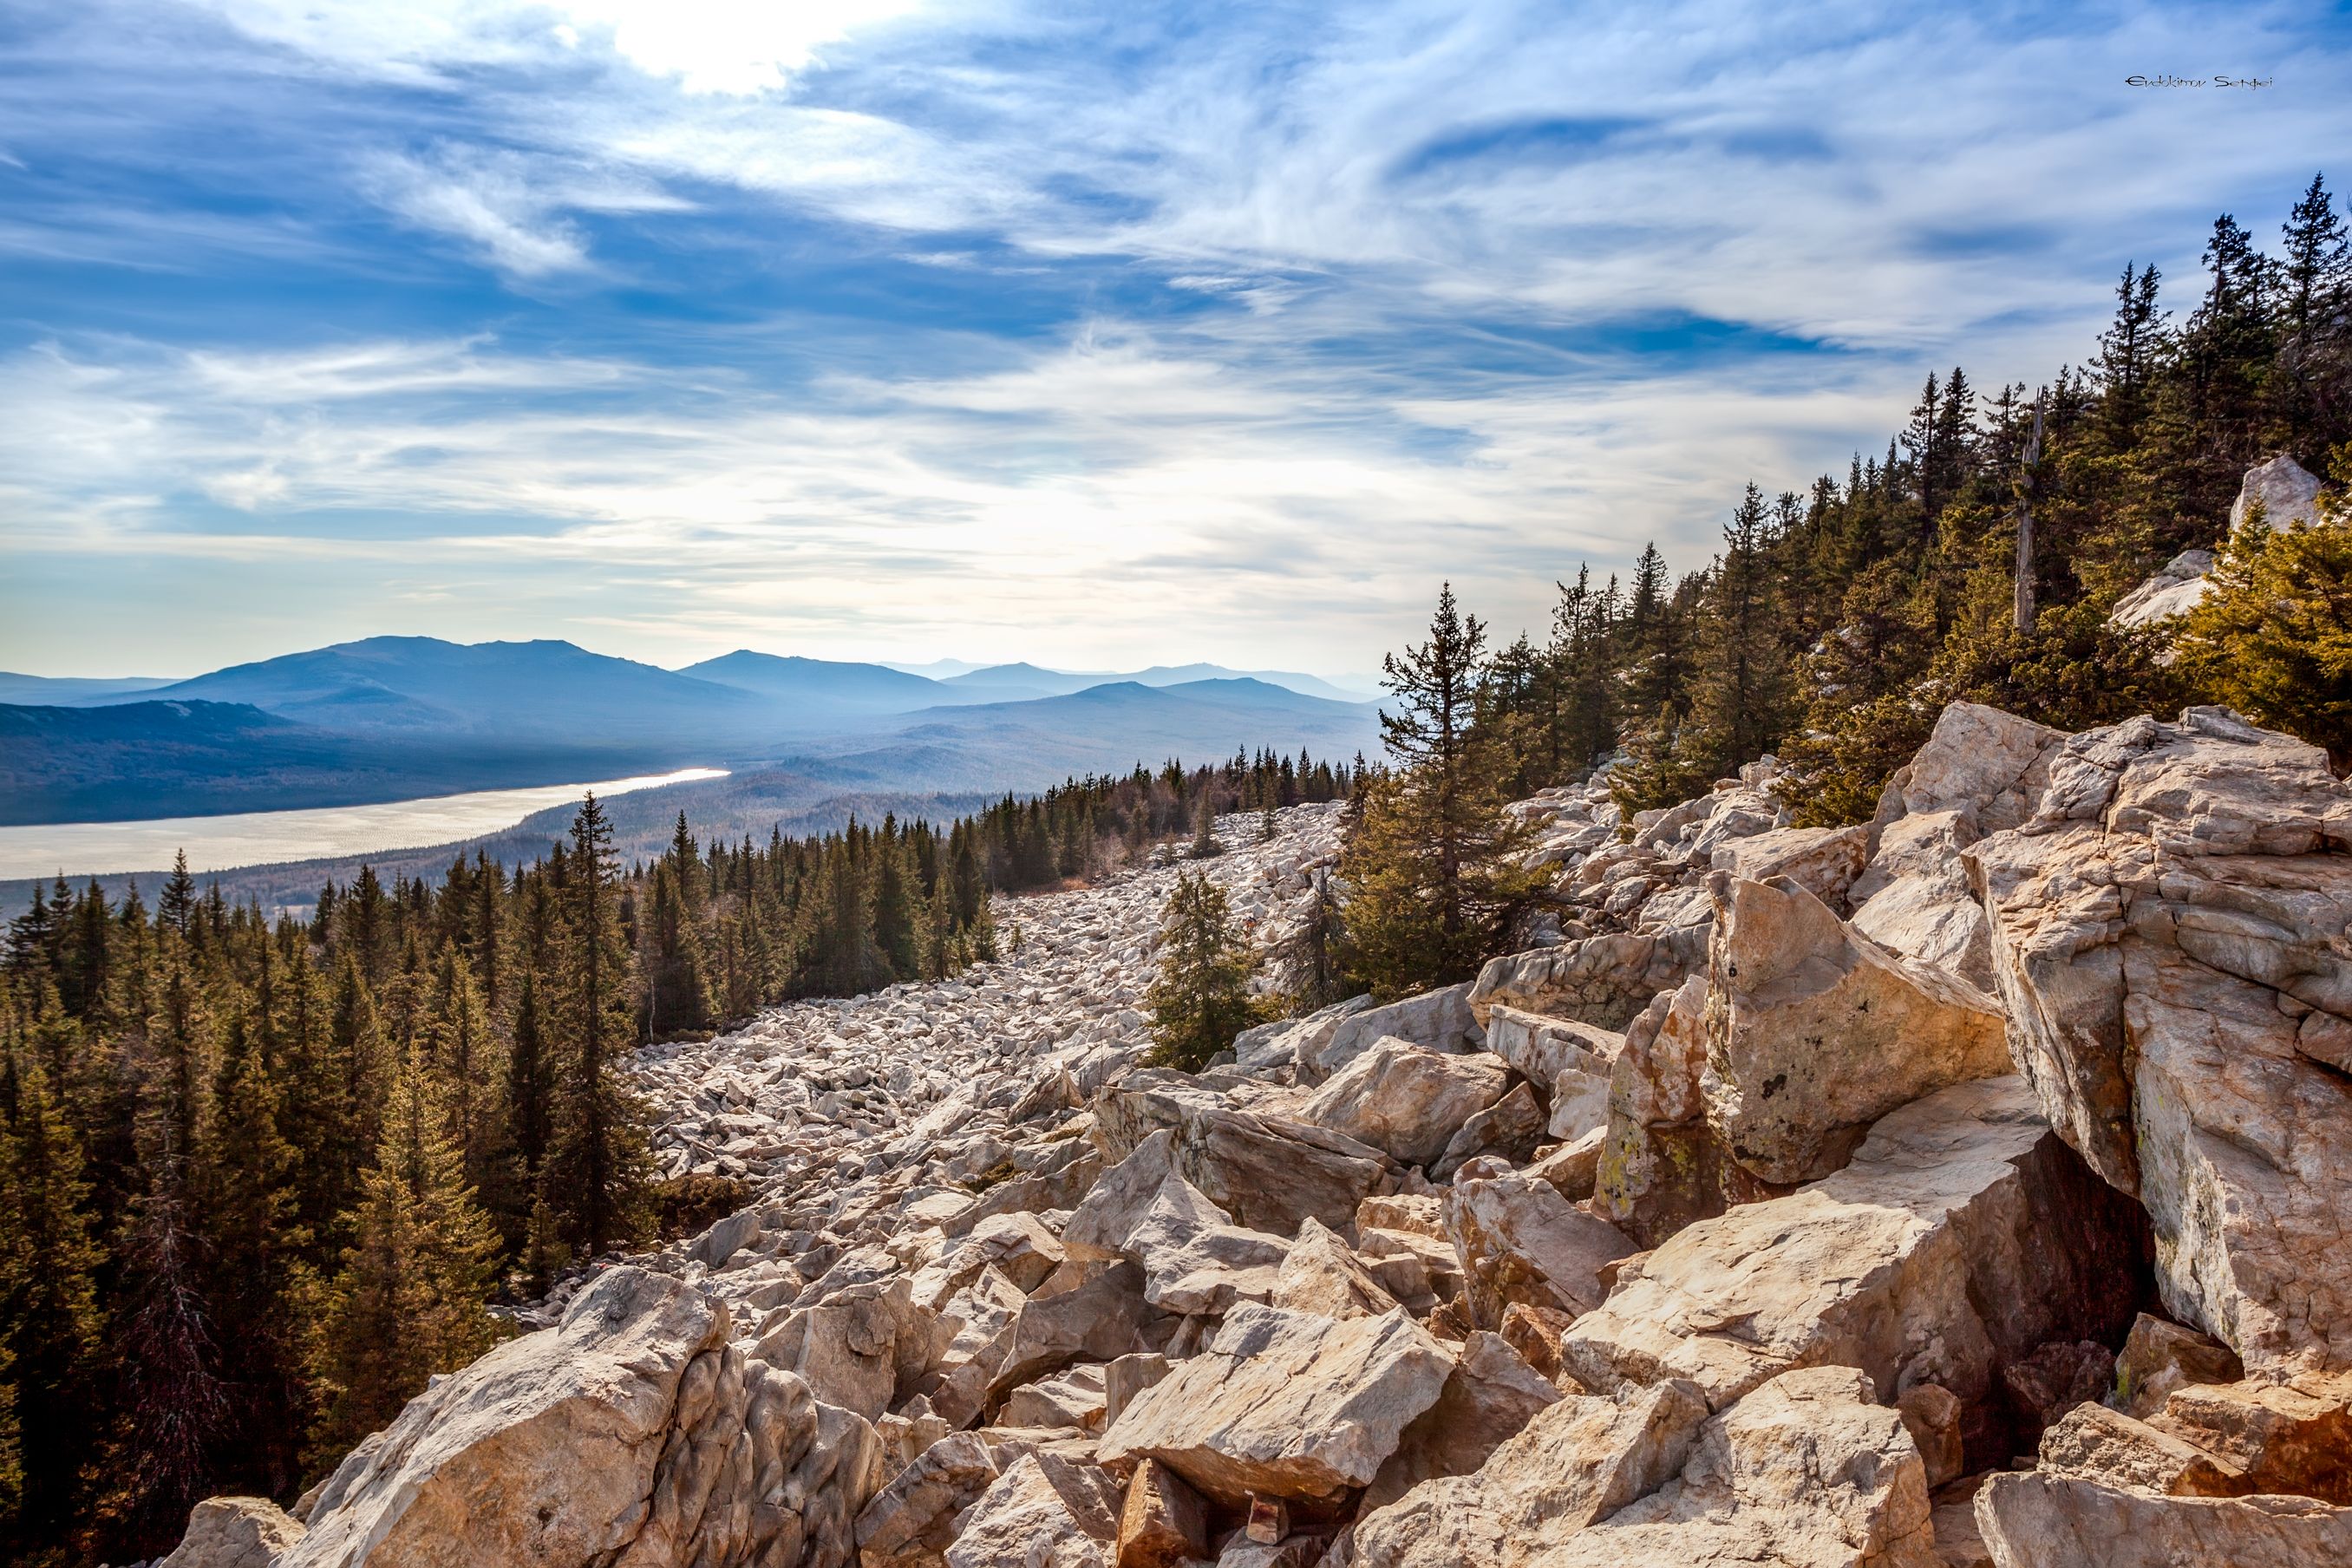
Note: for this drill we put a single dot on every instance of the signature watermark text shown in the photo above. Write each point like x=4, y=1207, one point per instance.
x=2250, y=83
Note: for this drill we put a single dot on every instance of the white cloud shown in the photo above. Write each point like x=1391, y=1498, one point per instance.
x=728, y=46
x=705, y=46
x=1355, y=284
x=486, y=202
x=1117, y=495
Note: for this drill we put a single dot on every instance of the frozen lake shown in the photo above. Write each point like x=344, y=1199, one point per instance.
x=266, y=837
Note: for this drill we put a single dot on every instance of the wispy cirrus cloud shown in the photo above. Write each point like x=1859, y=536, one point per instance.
x=510, y=207
x=685, y=320
x=702, y=45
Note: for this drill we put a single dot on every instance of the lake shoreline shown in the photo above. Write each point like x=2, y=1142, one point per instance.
x=253, y=840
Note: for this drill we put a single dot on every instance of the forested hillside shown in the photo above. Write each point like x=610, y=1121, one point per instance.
x=257, y=1180
x=1839, y=618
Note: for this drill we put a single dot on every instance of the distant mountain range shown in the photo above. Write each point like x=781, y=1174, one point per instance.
x=391, y=718
x=71, y=691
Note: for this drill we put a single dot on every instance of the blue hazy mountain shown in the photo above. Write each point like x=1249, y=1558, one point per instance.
x=1020, y=682
x=1027, y=743
x=72, y=691
x=938, y=668
x=544, y=689
x=394, y=718
x=1289, y=680
x=159, y=759
x=1013, y=682
x=820, y=683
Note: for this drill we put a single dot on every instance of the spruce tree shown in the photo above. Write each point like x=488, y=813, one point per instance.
x=1740, y=687
x=1315, y=960
x=1204, y=830
x=531, y=1085
x=245, y=1182
x=894, y=907
x=2225, y=352
x=463, y=1049
x=316, y=1086
x=1200, y=999
x=1435, y=882
x=50, y=1327
x=677, y=985
x=601, y=1191
x=2274, y=639
x=2130, y=351
x=176, y=907
x=355, y=1045
x=408, y=1301
x=175, y=1406
x=2313, y=275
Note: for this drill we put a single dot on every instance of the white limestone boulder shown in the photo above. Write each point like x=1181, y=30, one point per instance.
x=1815, y=1031
x=1404, y=1100
x=1962, y=1236
x=2169, y=938
x=1284, y=1404
x=2039, y=1520
x=632, y=1430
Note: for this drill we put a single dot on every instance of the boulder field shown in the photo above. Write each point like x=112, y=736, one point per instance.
x=1964, y=1188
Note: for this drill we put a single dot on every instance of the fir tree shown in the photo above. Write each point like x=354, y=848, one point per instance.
x=462, y=1049
x=1740, y=697
x=2129, y=353
x=1204, y=830
x=245, y=1172
x=677, y=988
x=2274, y=639
x=176, y=906
x=175, y=1406
x=894, y=905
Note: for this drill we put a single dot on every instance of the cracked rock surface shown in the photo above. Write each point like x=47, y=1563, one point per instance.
x=1785, y=1188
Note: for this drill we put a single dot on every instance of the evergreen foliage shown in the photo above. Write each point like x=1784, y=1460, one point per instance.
x=1200, y=999
x=409, y=1300
x=1430, y=857
x=2274, y=639
x=259, y=1179
x=1835, y=623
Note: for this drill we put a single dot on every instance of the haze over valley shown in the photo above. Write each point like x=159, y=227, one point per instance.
x=401, y=725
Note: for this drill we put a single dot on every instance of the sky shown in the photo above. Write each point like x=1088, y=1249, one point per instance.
x=1099, y=336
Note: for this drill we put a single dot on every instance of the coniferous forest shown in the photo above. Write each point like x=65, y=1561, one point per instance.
x=1837, y=620
x=260, y=1178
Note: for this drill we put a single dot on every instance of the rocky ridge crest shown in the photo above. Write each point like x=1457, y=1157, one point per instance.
x=1964, y=1187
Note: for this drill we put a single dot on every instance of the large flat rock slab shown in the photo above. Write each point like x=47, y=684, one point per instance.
x=1285, y=1404
x=2169, y=936
x=1963, y=1235
x=631, y=1431
x=2043, y=1521
x=1807, y=1470
x=1814, y=1031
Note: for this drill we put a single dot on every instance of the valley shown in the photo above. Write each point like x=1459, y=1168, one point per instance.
x=390, y=720
x=324, y=833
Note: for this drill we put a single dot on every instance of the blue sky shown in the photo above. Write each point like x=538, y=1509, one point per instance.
x=1095, y=336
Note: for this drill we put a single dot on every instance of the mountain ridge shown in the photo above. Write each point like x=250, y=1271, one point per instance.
x=386, y=718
